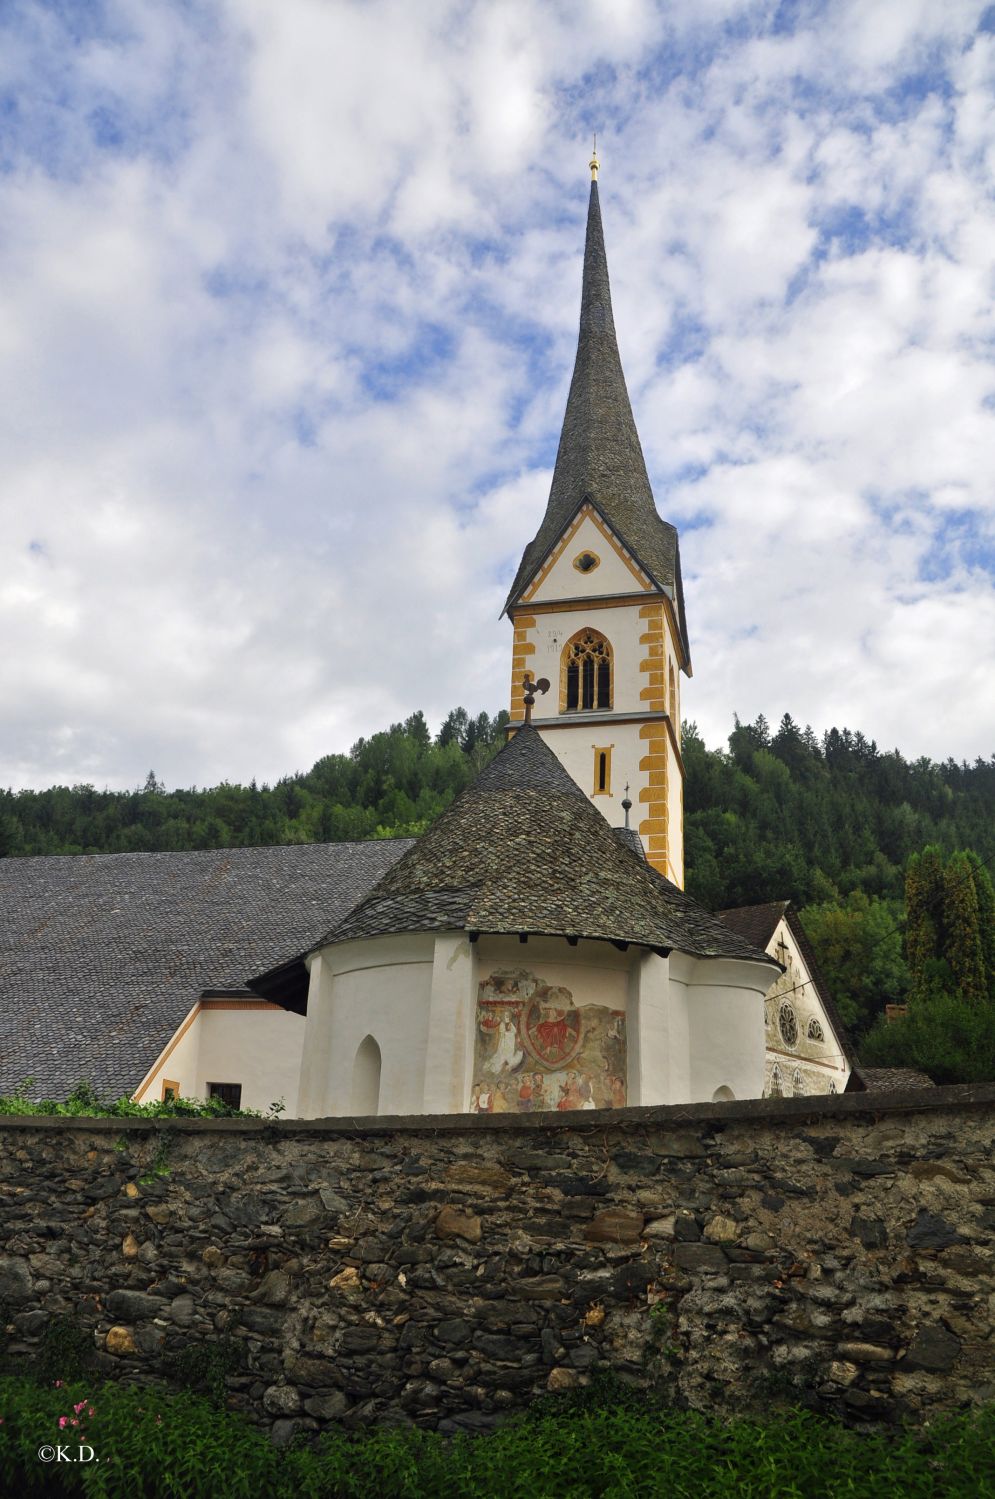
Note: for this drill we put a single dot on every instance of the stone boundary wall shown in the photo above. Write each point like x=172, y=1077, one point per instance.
x=444, y=1270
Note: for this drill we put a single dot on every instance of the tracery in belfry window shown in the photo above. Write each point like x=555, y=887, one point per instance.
x=815, y=1031
x=797, y=1083
x=586, y=666
x=787, y=1024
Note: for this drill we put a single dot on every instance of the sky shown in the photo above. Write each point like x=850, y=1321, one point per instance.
x=288, y=311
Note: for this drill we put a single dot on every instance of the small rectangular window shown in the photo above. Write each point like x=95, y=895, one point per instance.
x=602, y=770
x=229, y=1093
x=170, y=1089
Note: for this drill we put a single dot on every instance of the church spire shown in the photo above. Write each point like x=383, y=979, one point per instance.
x=600, y=458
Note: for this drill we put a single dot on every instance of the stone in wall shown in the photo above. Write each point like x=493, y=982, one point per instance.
x=446, y=1271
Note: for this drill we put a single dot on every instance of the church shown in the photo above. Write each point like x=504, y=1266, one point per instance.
x=533, y=950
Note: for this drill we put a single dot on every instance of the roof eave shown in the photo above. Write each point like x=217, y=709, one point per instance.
x=285, y=985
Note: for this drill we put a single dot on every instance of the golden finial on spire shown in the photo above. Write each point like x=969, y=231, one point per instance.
x=595, y=163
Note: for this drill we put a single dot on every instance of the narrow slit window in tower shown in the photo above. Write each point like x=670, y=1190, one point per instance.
x=602, y=770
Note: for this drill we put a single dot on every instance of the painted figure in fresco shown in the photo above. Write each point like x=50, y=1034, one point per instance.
x=508, y=1054
x=525, y=1094
x=613, y=1044
x=502, y=1101
x=539, y=1099
x=570, y=1093
x=617, y=1092
x=483, y=1099
x=553, y=1031
x=585, y=1090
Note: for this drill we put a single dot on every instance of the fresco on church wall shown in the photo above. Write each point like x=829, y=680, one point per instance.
x=535, y=1049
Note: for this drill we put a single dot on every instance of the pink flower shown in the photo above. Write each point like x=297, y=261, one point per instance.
x=74, y=1422
x=78, y=1408
x=62, y=1421
x=90, y=1412
x=58, y=1384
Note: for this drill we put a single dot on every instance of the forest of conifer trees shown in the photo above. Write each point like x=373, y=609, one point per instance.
x=832, y=823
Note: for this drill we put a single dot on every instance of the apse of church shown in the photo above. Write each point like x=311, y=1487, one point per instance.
x=597, y=605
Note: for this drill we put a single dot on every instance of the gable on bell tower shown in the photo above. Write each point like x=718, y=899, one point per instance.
x=597, y=603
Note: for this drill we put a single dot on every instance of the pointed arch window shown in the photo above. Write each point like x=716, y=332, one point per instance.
x=364, y=1094
x=586, y=673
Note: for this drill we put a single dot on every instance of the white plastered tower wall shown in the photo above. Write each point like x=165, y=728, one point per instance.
x=640, y=732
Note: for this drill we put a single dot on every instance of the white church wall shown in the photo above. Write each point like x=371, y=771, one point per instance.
x=595, y=972
x=379, y=987
x=725, y=1032
x=659, y=1069
x=449, y=1049
x=176, y=1064
x=248, y=1042
x=260, y=1049
x=800, y=1040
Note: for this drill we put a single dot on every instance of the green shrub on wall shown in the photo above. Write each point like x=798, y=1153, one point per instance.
x=84, y=1102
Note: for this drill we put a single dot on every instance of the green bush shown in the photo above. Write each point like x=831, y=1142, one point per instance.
x=949, y=1038
x=84, y=1102
x=180, y=1447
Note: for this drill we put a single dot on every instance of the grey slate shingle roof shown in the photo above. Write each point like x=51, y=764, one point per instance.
x=600, y=457
x=102, y=956
x=894, y=1079
x=523, y=850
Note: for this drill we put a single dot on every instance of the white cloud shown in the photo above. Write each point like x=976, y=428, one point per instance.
x=288, y=301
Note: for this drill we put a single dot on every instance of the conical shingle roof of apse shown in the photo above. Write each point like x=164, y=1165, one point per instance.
x=600, y=458
x=523, y=850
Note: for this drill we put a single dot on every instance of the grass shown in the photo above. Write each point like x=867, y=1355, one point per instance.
x=161, y=1446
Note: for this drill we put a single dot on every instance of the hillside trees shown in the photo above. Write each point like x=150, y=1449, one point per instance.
x=949, y=1029
x=831, y=823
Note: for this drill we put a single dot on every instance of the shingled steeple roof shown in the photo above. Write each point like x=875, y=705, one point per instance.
x=600, y=458
x=523, y=850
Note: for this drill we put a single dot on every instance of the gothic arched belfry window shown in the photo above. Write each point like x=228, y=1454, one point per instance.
x=586, y=673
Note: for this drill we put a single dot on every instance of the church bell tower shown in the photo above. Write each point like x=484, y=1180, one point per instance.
x=597, y=604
